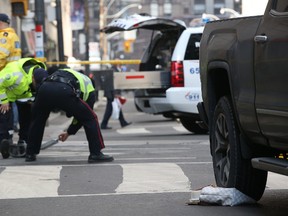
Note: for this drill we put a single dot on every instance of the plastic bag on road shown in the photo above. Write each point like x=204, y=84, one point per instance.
x=219, y=196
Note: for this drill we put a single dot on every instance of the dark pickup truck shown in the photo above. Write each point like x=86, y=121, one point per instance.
x=244, y=82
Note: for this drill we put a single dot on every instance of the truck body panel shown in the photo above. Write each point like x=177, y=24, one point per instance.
x=244, y=77
x=271, y=78
x=231, y=48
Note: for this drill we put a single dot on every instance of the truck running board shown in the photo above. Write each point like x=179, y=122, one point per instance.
x=271, y=164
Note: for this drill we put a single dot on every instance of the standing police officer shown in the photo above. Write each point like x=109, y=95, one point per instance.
x=72, y=92
x=10, y=49
x=15, y=83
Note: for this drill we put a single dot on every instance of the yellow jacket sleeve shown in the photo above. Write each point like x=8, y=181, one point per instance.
x=10, y=49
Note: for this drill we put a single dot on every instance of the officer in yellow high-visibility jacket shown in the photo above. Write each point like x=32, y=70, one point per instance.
x=72, y=92
x=15, y=83
x=10, y=49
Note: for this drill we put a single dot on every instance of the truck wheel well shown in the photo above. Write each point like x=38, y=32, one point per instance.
x=218, y=86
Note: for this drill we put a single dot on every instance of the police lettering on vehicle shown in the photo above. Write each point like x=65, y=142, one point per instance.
x=194, y=70
x=192, y=96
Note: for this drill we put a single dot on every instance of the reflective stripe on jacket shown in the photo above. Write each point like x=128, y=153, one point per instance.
x=10, y=49
x=15, y=79
x=85, y=83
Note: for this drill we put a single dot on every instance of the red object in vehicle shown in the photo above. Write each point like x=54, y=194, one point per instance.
x=177, y=74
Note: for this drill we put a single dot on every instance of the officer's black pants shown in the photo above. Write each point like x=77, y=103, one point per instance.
x=55, y=95
x=6, y=125
x=24, y=116
x=108, y=113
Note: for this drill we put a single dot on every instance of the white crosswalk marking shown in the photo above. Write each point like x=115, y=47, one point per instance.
x=133, y=131
x=277, y=181
x=145, y=178
x=29, y=181
x=44, y=181
x=180, y=129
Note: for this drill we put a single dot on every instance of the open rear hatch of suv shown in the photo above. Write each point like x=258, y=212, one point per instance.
x=137, y=21
x=144, y=79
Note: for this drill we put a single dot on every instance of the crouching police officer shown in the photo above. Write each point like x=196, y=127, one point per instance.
x=72, y=92
x=15, y=83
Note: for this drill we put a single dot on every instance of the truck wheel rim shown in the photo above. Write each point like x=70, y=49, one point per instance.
x=222, y=149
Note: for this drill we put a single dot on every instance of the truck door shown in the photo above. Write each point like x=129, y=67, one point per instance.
x=271, y=72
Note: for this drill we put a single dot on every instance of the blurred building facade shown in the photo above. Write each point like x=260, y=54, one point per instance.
x=82, y=22
x=185, y=10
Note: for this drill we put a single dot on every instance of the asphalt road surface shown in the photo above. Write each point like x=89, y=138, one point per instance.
x=157, y=165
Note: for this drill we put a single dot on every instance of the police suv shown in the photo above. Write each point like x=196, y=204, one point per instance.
x=168, y=80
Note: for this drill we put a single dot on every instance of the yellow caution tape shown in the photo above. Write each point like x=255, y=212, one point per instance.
x=132, y=61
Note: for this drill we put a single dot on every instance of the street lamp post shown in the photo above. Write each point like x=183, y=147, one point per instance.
x=59, y=30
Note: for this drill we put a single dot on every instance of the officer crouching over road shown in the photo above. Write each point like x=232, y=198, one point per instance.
x=15, y=83
x=72, y=92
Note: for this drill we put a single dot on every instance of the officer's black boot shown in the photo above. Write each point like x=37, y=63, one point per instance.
x=4, y=148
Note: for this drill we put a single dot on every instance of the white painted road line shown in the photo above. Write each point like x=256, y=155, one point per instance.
x=146, y=178
x=277, y=181
x=138, y=178
x=133, y=131
x=43, y=181
x=29, y=182
x=180, y=129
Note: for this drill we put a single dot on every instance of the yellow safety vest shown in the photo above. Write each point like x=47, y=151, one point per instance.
x=16, y=78
x=85, y=83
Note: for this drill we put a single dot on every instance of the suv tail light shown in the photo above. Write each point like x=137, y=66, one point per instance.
x=177, y=74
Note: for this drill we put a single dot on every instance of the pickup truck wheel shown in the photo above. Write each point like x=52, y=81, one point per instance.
x=191, y=125
x=230, y=169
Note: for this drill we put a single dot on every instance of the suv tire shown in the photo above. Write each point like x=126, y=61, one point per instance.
x=230, y=169
x=191, y=125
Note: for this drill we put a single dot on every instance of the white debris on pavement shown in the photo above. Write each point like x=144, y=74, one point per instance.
x=219, y=196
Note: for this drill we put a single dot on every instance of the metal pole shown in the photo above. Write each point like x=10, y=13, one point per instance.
x=102, y=24
x=59, y=30
x=87, y=18
x=39, y=29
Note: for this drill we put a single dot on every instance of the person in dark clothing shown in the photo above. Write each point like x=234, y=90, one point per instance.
x=72, y=92
x=53, y=67
x=110, y=95
x=24, y=107
x=108, y=112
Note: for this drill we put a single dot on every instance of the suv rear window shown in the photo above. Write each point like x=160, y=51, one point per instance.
x=192, y=50
x=159, y=52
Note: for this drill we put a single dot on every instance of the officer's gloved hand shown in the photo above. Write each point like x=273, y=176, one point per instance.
x=63, y=136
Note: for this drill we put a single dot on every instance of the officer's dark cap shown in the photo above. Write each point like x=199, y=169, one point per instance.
x=4, y=18
x=39, y=75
